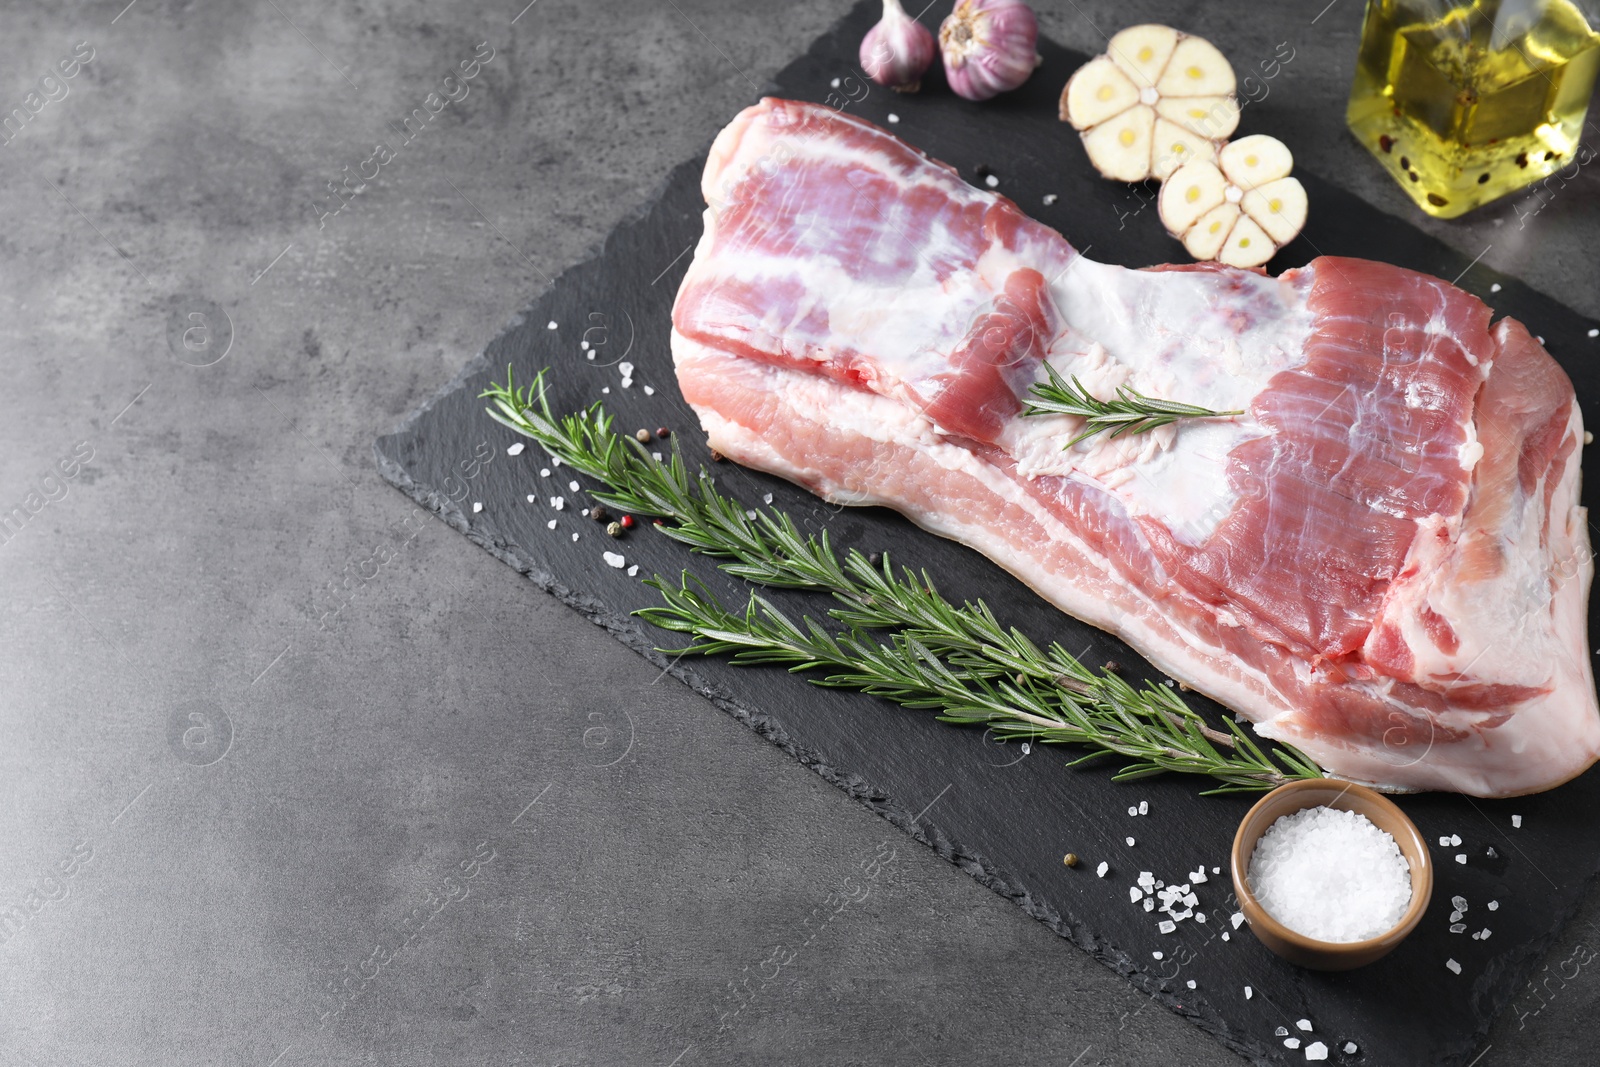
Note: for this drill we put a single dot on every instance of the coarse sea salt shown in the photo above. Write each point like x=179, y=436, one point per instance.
x=1331, y=875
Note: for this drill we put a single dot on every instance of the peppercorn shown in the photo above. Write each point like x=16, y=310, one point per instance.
x=874, y=558
x=1112, y=667
x=716, y=457
x=627, y=522
x=663, y=433
x=598, y=513
x=614, y=529
x=1070, y=859
x=643, y=437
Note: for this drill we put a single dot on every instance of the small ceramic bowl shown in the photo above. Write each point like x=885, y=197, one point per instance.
x=1325, y=792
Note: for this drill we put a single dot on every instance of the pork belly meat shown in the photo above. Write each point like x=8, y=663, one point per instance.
x=1383, y=561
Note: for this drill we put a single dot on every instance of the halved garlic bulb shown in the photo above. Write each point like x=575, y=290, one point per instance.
x=1156, y=100
x=1239, y=210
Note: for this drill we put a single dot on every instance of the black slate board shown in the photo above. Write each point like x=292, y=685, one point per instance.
x=1407, y=1009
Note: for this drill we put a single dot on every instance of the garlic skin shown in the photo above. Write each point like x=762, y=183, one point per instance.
x=989, y=46
x=898, y=51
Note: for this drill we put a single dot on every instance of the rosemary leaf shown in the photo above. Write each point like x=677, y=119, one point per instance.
x=1131, y=412
x=895, y=636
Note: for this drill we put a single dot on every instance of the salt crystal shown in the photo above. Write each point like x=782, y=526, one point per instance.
x=1490, y=852
x=1102, y=869
x=1444, y=842
x=1282, y=1031
x=1248, y=992
x=656, y=456
x=1461, y=857
x=991, y=181
x=583, y=346
x=1459, y=903
x=749, y=514
x=834, y=83
x=1316, y=1051
x=476, y=507
x=1453, y=966
x=1132, y=810
x=1144, y=807
x=1166, y=926
x=633, y=570
x=1493, y=905
x=574, y=486
x=558, y=502
x=1350, y=1048
x=627, y=383
x=544, y=472
x=893, y=118
x=613, y=559
x=606, y=390
x=1291, y=1042
x=1477, y=935
x=1158, y=955
x=1225, y=936
x=532, y=499
x=767, y=498
x=1304, y=1024
x=1147, y=879
x=551, y=525
x=589, y=357
x=1516, y=821
x=550, y=325
x=1458, y=928
x=1130, y=842
x=1149, y=903
x=1331, y=875
x=1495, y=288
x=516, y=449
x=555, y=461
x=1455, y=840
x=1486, y=933
x=1594, y=333
x=1539, y=339
x=1199, y=916
x=648, y=391
x=1455, y=916
x=1135, y=894
x=1198, y=875
x=574, y=537
x=1216, y=870
x=1237, y=920
x=1050, y=198
x=1191, y=983
x=625, y=369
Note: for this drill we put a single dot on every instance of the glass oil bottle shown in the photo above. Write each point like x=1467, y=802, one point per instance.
x=1465, y=102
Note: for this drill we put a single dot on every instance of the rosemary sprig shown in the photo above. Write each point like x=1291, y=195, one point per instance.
x=957, y=659
x=1131, y=412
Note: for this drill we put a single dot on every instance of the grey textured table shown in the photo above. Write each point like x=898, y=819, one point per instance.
x=254, y=707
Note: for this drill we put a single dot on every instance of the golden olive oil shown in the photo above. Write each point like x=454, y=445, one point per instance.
x=1465, y=102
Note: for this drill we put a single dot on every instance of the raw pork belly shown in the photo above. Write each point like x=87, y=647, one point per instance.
x=1383, y=561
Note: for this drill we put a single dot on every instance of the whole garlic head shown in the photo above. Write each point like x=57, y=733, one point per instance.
x=989, y=46
x=1157, y=99
x=1239, y=210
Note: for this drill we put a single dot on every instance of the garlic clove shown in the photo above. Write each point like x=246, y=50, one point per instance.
x=1247, y=245
x=1096, y=92
x=1204, y=239
x=1211, y=117
x=1174, y=146
x=1121, y=147
x=1278, y=207
x=1190, y=193
x=898, y=50
x=1143, y=51
x=1196, y=68
x=1255, y=160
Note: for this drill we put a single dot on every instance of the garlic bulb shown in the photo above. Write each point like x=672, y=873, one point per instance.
x=1239, y=210
x=1156, y=100
x=898, y=50
x=988, y=46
